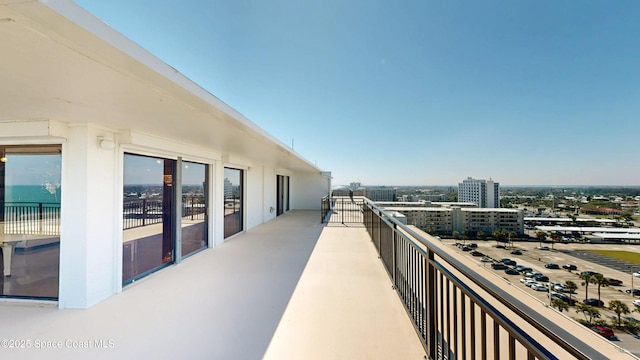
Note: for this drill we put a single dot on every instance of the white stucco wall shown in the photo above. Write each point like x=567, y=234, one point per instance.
x=307, y=190
x=89, y=251
x=269, y=194
x=253, y=197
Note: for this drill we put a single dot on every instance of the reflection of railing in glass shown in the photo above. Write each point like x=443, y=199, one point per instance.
x=193, y=207
x=143, y=212
x=231, y=205
x=31, y=218
x=136, y=213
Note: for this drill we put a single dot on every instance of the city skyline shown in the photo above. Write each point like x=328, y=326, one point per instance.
x=423, y=93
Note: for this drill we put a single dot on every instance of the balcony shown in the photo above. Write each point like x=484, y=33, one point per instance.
x=465, y=312
x=290, y=288
x=297, y=289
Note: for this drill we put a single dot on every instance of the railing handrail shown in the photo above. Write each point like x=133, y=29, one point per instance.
x=555, y=333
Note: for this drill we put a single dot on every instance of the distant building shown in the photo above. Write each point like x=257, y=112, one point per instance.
x=345, y=192
x=381, y=194
x=228, y=188
x=445, y=220
x=488, y=220
x=434, y=197
x=484, y=193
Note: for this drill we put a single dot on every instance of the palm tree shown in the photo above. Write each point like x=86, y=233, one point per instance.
x=619, y=308
x=480, y=235
x=541, y=236
x=600, y=280
x=560, y=305
x=499, y=235
x=587, y=278
x=588, y=311
x=571, y=286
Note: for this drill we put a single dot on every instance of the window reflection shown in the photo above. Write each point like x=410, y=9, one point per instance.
x=232, y=201
x=147, y=215
x=194, y=206
x=30, y=220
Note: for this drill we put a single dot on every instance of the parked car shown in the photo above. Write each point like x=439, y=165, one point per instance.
x=636, y=303
x=516, y=252
x=511, y=271
x=486, y=259
x=508, y=261
x=466, y=248
x=541, y=278
x=527, y=281
x=614, y=282
x=498, y=266
x=636, y=292
x=476, y=253
x=563, y=297
x=603, y=330
x=552, y=266
x=593, y=302
x=543, y=248
x=636, y=274
x=569, y=267
x=473, y=246
x=524, y=269
x=560, y=288
x=539, y=287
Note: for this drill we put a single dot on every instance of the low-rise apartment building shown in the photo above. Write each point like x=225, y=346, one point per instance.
x=445, y=220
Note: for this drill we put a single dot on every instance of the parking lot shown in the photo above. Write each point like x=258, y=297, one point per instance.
x=575, y=254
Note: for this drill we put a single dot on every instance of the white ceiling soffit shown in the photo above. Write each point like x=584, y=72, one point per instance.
x=60, y=62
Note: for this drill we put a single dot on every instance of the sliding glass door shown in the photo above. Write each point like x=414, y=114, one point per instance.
x=148, y=213
x=30, y=220
x=194, y=207
x=282, y=194
x=233, y=206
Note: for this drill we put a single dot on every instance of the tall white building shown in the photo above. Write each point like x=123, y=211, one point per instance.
x=484, y=193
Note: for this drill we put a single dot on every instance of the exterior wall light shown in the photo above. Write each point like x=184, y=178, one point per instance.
x=106, y=144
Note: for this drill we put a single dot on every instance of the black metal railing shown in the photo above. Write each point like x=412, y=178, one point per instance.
x=457, y=312
x=31, y=218
x=143, y=212
x=342, y=210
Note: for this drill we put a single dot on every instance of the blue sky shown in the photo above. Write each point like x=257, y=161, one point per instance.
x=417, y=92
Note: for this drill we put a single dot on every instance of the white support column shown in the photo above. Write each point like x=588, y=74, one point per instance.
x=89, y=218
x=216, y=216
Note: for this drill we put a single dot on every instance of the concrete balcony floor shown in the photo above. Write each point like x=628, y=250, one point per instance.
x=287, y=289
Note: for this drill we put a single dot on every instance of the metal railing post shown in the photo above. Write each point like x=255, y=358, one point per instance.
x=393, y=256
x=144, y=212
x=39, y=218
x=431, y=306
